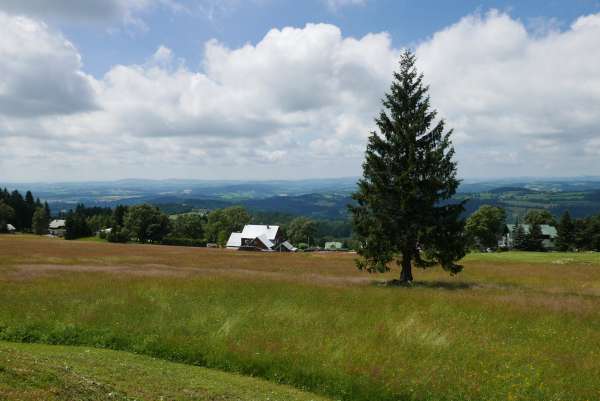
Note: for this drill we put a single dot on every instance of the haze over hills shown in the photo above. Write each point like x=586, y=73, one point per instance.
x=320, y=198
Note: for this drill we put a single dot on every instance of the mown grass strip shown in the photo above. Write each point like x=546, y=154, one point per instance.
x=35, y=372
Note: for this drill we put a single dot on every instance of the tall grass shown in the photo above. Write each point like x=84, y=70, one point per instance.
x=481, y=338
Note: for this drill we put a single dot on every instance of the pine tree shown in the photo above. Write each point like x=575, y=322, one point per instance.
x=565, y=240
x=47, y=209
x=403, y=210
x=519, y=236
x=534, y=239
x=40, y=221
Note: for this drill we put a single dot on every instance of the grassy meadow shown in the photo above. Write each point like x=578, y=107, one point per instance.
x=31, y=372
x=512, y=326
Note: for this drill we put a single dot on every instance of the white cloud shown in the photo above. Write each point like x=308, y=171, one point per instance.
x=507, y=89
x=301, y=102
x=125, y=12
x=40, y=71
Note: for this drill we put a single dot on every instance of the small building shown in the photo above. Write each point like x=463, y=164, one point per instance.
x=10, y=228
x=285, y=246
x=333, y=246
x=549, y=235
x=57, y=227
x=234, y=241
x=258, y=238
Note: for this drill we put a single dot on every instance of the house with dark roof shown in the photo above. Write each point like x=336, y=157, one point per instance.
x=549, y=235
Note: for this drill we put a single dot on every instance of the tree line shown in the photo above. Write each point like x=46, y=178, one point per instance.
x=146, y=223
x=486, y=226
x=26, y=214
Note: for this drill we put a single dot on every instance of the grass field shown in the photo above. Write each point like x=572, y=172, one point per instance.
x=31, y=372
x=512, y=326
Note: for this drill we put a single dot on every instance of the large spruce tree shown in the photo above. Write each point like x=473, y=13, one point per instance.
x=403, y=211
x=565, y=240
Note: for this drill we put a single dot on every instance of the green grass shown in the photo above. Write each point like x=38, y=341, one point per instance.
x=43, y=372
x=560, y=258
x=512, y=326
x=93, y=238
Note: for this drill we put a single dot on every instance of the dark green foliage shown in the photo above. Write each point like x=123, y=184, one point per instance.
x=407, y=175
x=7, y=215
x=539, y=217
x=40, y=221
x=486, y=226
x=222, y=222
x=565, y=240
x=118, y=216
x=98, y=222
x=301, y=229
x=76, y=224
x=534, y=239
x=519, y=236
x=118, y=234
x=592, y=233
x=190, y=226
x=146, y=223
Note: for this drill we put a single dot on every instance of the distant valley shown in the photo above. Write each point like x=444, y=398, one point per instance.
x=317, y=198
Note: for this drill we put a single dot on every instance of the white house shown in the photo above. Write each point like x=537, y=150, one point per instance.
x=234, y=241
x=259, y=237
x=10, y=228
x=57, y=227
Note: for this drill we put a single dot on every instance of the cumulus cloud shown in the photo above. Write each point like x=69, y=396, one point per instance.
x=40, y=72
x=301, y=103
x=84, y=11
x=505, y=88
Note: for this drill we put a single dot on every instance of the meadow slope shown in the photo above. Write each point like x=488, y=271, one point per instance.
x=512, y=326
x=31, y=372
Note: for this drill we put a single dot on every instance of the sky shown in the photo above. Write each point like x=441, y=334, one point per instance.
x=278, y=89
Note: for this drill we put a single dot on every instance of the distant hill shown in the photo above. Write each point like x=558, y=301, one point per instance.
x=319, y=198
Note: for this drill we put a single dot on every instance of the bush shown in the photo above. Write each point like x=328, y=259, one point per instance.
x=118, y=234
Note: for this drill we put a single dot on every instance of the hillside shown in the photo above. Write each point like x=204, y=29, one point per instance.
x=63, y=373
x=324, y=199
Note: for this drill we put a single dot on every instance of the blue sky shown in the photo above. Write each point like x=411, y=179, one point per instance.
x=235, y=23
x=268, y=89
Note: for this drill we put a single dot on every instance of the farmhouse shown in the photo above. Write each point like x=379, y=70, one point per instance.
x=333, y=246
x=57, y=227
x=549, y=234
x=261, y=238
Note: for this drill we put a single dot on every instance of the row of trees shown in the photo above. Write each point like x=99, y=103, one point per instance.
x=146, y=223
x=578, y=234
x=488, y=224
x=26, y=214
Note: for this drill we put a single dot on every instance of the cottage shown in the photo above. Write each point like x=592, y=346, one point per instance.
x=259, y=237
x=57, y=227
x=234, y=241
x=549, y=235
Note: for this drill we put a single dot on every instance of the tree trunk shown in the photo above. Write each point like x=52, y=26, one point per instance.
x=406, y=273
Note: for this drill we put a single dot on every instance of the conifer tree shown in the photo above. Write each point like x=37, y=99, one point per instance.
x=40, y=221
x=534, y=239
x=518, y=235
x=402, y=209
x=565, y=240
